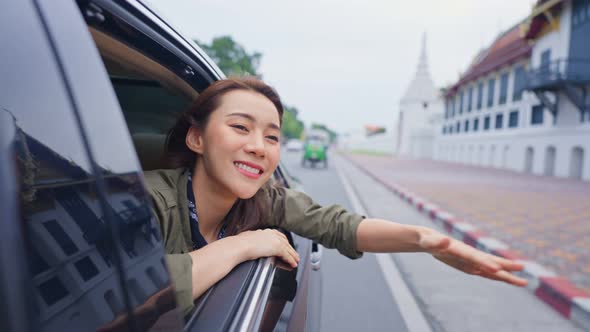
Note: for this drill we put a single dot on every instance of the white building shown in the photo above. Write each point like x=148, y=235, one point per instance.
x=420, y=109
x=522, y=104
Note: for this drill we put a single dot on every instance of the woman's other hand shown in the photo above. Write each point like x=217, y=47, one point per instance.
x=266, y=243
x=470, y=260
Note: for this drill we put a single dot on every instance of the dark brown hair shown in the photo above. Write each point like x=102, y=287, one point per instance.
x=245, y=214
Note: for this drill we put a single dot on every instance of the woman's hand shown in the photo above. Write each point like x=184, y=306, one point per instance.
x=266, y=243
x=470, y=260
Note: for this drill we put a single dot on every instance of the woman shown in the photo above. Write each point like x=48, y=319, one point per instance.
x=214, y=209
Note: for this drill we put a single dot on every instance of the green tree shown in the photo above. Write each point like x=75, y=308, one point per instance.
x=233, y=60
x=292, y=127
x=231, y=57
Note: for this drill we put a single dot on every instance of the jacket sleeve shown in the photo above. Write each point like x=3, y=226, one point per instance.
x=179, y=263
x=180, y=269
x=331, y=226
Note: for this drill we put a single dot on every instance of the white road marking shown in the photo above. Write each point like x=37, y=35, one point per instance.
x=409, y=309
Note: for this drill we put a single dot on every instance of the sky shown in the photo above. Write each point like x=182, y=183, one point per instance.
x=347, y=63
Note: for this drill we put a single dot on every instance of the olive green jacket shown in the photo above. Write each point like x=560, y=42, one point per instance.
x=332, y=226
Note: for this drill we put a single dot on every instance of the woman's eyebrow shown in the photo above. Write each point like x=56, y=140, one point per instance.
x=253, y=119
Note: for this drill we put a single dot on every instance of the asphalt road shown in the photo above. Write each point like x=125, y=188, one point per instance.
x=354, y=292
x=356, y=295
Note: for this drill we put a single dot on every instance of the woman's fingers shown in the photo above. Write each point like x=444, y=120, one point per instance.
x=506, y=277
x=287, y=252
x=288, y=255
x=474, y=256
x=508, y=264
x=489, y=266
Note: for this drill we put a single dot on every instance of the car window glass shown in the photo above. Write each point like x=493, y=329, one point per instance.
x=70, y=262
x=127, y=207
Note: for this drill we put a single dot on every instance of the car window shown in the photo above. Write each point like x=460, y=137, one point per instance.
x=73, y=282
x=126, y=206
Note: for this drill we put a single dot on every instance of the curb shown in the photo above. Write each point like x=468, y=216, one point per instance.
x=558, y=292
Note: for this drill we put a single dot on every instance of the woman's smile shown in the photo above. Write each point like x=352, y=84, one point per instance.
x=250, y=170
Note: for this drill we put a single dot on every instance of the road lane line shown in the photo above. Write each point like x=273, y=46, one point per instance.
x=408, y=307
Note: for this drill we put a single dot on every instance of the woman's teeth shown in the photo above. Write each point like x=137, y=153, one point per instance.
x=248, y=168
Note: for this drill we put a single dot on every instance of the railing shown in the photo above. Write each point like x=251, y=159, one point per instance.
x=559, y=72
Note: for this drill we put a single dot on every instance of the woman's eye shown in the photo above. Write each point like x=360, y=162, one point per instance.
x=240, y=127
x=274, y=138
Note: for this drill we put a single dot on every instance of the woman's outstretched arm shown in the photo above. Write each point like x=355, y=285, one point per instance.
x=377, y=235
x=215, y=260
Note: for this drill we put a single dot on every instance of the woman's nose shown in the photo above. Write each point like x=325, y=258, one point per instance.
x=256, y=145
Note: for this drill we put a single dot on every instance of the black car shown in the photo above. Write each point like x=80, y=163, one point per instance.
x=89, y=90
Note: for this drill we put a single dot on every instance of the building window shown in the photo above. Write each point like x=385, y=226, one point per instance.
x=458, y=127
x=503, y=88
x=37, y=263
x=470, y=99
x=52, y=291
x=461, y=102
x=479, y=95
x=491, y=84
x=537, y=114
x=61, y=237
x=499, y=120
x=486, y=123
x=519, y=83
x=86, y=268
x=580, y=13
x=513, y=119
x=475, y=124
x=450, y=129
x=466, y=126
x=546, y=60
x=577, y=163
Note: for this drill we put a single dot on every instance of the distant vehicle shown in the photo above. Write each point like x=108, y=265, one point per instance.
x=315, y=148
x=294, y=145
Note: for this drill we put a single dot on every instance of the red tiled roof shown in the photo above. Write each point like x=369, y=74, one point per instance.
x=508, y=48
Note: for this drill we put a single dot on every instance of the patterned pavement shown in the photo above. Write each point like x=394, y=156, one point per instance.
x=541, y=218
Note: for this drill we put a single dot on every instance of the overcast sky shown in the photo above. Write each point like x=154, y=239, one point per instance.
x=346, y=63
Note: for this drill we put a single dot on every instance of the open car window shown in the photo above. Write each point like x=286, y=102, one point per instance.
x=154, y=85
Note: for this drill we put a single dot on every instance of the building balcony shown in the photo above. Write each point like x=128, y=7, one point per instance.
x=558, y=73
x=567, y=75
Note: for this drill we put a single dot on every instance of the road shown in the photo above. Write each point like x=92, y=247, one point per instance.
x=357, y=295
x=352, y=290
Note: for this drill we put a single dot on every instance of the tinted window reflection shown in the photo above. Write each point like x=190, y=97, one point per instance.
x=54, y=169
x=71, y=248
x=147, y=277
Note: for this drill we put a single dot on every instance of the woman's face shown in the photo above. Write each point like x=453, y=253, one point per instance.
x=240, y=146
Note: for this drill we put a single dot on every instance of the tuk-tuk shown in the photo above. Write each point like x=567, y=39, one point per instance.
x=315, y=151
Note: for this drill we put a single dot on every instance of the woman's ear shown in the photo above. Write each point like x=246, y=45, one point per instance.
x=194, y=140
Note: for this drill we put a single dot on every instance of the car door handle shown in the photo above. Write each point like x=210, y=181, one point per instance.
x=316, y=256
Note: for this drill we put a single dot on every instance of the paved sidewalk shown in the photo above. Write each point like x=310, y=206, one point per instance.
x=541, y=218
x=451, y=300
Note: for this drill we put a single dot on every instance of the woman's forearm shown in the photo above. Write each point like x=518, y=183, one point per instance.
x=378, y=235
x=214, y=261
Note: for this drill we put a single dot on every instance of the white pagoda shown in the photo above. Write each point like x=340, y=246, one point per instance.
x=420, y=109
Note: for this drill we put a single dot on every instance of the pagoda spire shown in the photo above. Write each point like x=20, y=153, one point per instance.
x=421, y=88
x=423, y=61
